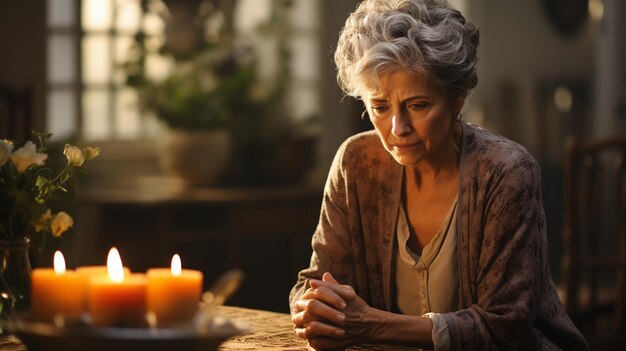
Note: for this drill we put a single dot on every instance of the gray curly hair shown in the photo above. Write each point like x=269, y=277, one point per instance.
x=425, y=36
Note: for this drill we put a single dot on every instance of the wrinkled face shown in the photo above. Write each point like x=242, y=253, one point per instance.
x=412, y=116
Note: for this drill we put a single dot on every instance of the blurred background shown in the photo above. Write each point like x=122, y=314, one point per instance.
x=218, y=119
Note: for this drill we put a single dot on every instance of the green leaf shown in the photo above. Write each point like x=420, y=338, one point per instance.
x=41, y=181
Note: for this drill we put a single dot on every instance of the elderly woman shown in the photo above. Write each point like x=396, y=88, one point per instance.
x=432, y=231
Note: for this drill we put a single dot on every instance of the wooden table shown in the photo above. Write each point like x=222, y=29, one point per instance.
x=270, y=331
x=274, y=331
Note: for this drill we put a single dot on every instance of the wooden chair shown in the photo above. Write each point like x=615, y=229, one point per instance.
x=594, y=261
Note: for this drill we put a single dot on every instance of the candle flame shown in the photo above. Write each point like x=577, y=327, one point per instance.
x=114, y=266
x=59, y=263
x=176, y=265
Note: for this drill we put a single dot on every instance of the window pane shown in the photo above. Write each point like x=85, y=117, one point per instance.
x=61, y=59
x=128, y=15
x=61, y=115
x=96, y=59
x=305, y=56
x=96, y=14
x=304, y=14
x=123, y=46
x=303, y=102
x=61, y=13
x=127, y=118
x=153, y=24
x=250, y=13
x=96, y=123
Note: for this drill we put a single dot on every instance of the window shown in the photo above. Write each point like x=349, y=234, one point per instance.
x=62, y=64
x=110, y=108
x=88, y=40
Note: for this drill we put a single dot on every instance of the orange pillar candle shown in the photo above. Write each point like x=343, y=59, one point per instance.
x=86, y=273
x=91, y=271
x=173, y=294
x=116, y=299
x=56, y=292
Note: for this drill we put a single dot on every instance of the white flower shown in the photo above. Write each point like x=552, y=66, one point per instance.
x=26, y=156
x=90, y=152
x=6, y=147
x=60, y=223
x=74, y=155
x=43, y=222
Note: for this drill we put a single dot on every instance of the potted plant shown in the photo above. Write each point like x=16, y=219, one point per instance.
x=198, y=102
x=208, y=102
x=213, y=106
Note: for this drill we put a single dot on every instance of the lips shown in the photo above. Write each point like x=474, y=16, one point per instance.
x=402, y=148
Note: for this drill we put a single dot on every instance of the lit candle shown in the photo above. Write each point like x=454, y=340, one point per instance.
x=56, y=292
x=86, y=273
x=117, y=299
x=173, y=294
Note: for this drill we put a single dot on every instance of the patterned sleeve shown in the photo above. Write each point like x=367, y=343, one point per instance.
x=331, y=240
x=506, y=270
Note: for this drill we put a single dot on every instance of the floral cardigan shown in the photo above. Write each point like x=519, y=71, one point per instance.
x=505, y=282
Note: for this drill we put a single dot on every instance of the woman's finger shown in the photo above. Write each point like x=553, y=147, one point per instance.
x=320, y=309
x=303, y=319
x=319, y=330
x=346, y=292
x=327, y=277
x=326, y=295
x=300, y=319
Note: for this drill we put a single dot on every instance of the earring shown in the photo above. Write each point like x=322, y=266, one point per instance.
x=363, y=114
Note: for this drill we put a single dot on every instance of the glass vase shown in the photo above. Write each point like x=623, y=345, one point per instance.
x=14, y=278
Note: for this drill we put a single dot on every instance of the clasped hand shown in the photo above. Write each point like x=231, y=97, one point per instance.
x=331, y=316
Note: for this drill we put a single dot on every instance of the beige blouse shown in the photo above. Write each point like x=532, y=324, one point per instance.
x=430, y=282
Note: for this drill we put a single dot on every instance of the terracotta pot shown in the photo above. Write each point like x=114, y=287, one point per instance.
x=196, y=157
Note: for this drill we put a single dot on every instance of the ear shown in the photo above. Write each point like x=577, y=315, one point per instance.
x=458, y=103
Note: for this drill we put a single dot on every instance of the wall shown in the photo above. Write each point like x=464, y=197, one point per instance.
x=522, y=59
x=340, y=117
x=22, y=52
x=610, y=78
x=519, y=51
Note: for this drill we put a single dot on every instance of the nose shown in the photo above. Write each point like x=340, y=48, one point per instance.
x=400, y=125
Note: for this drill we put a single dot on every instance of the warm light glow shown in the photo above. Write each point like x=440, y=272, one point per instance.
x=563, y=99
x=114, y=266
x=596, y=9
x=176, y=265
x=59, y=263
x=96, y=14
